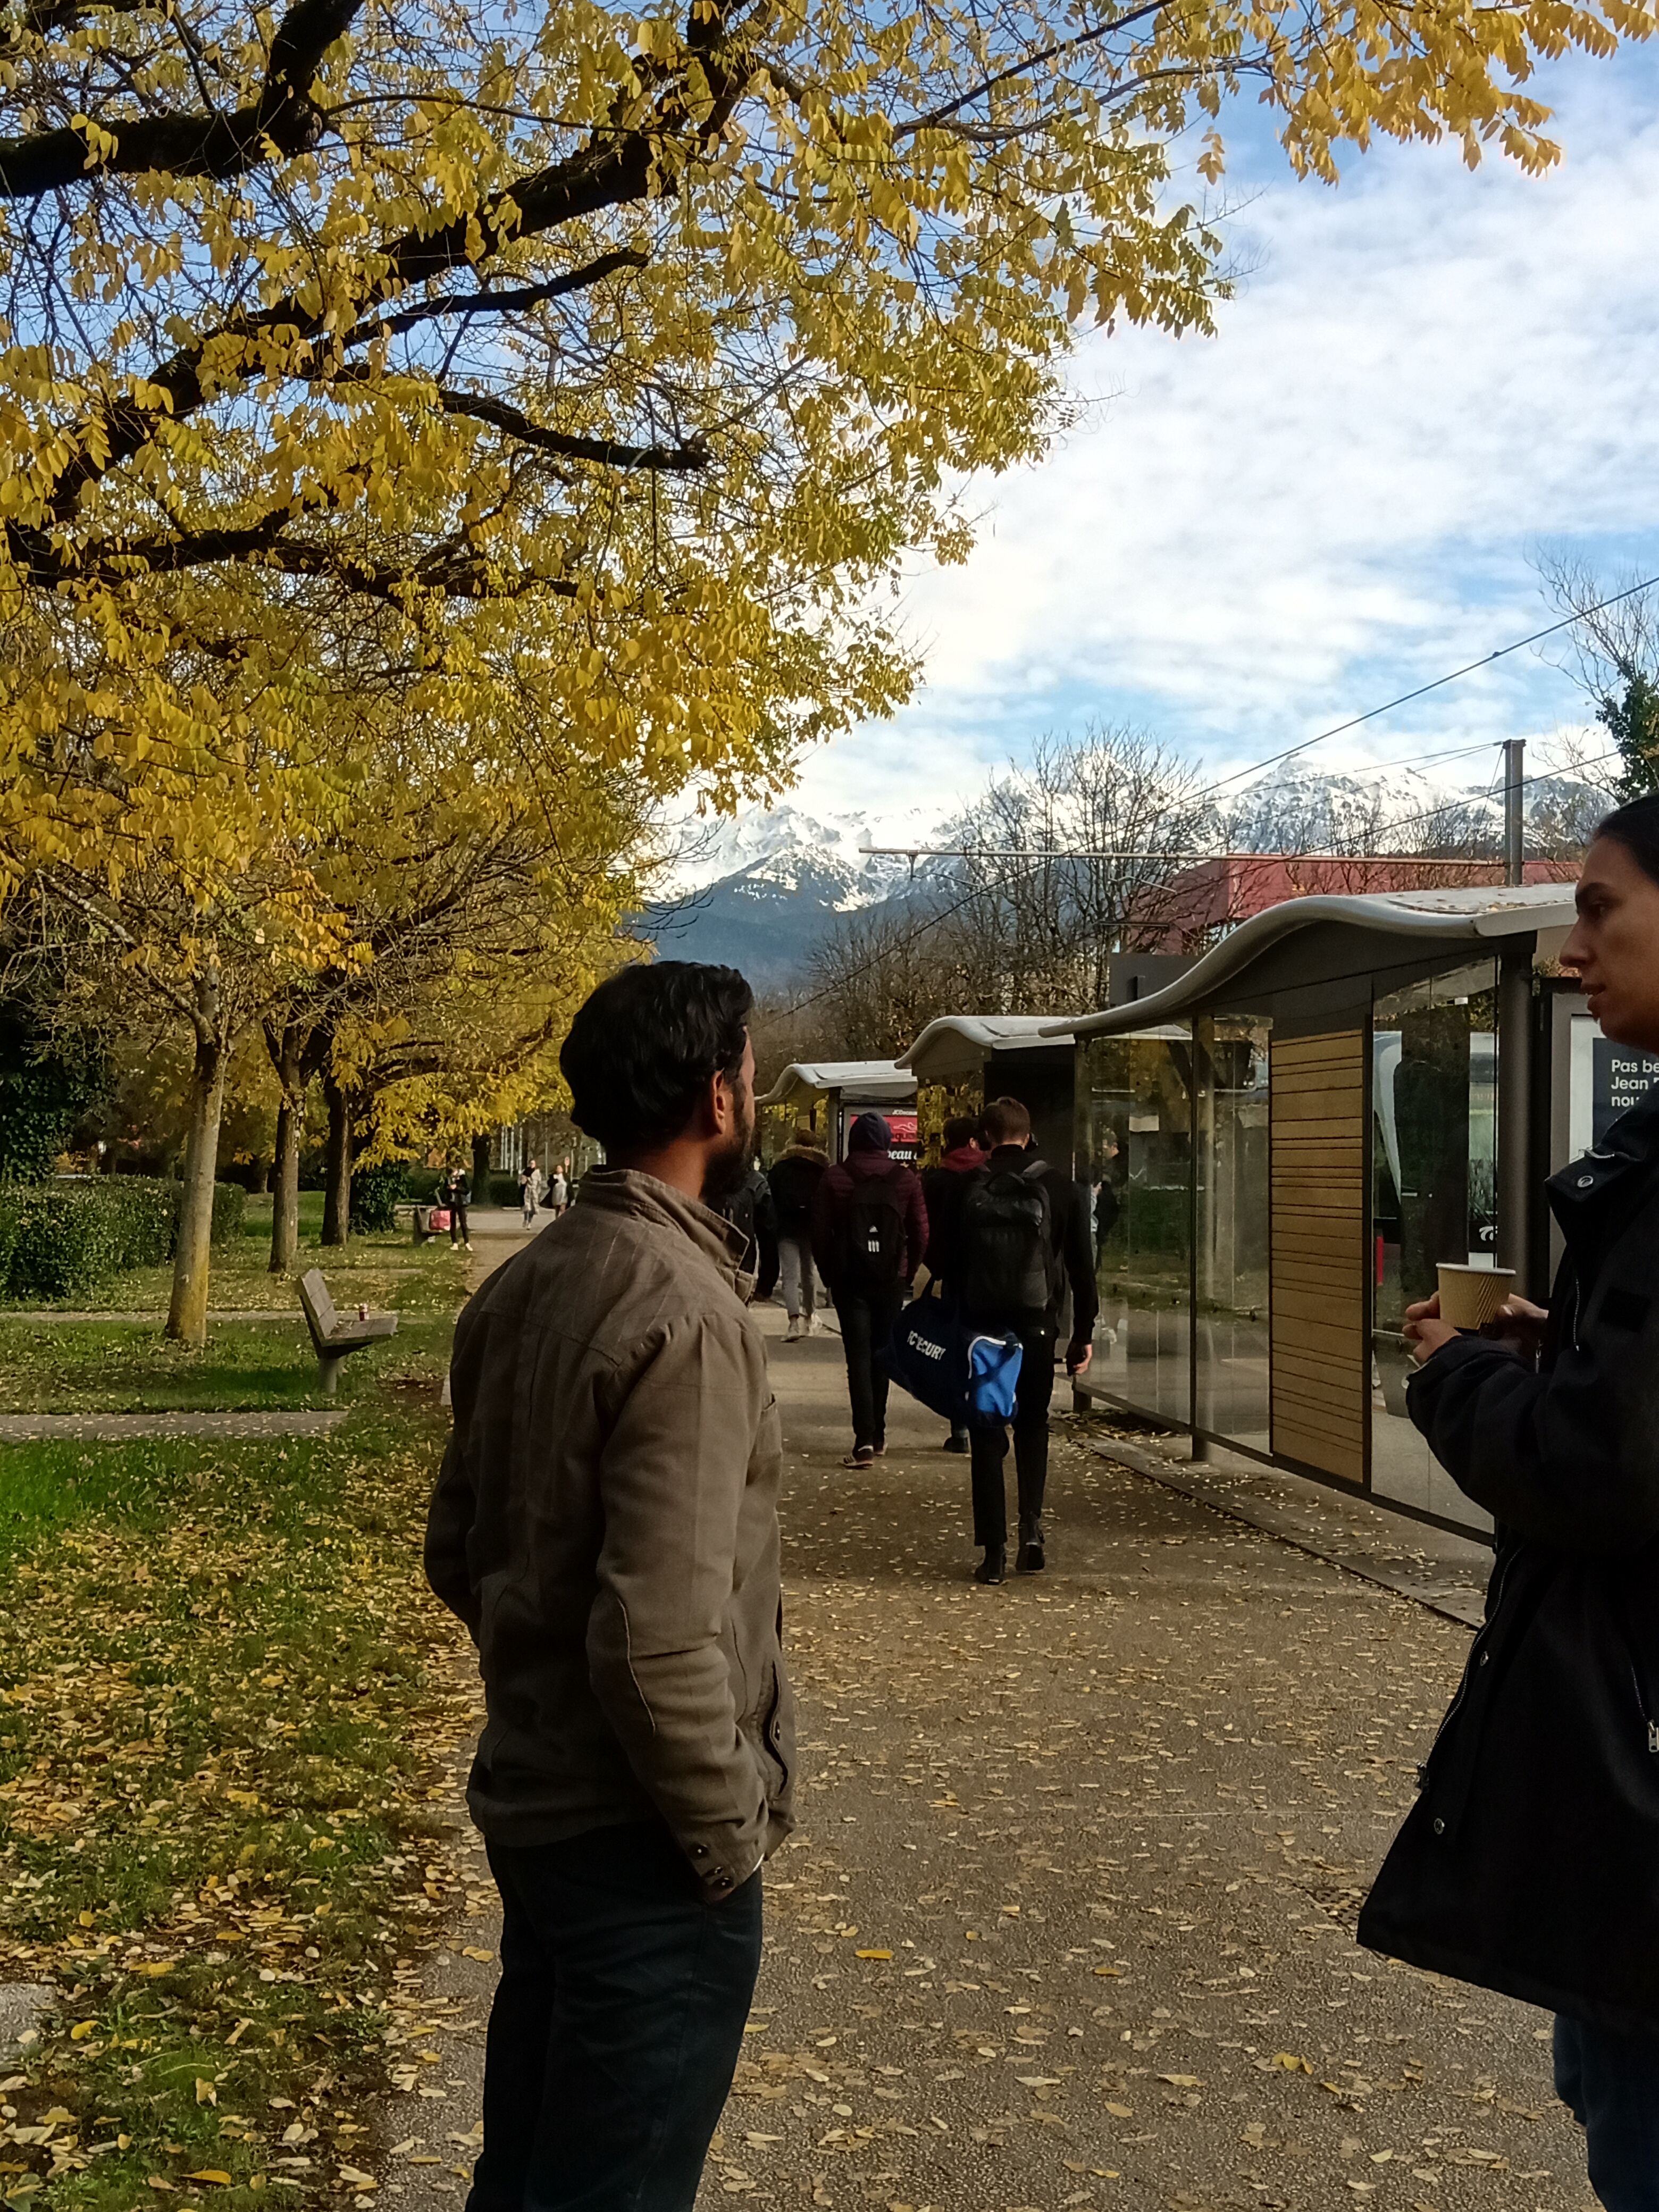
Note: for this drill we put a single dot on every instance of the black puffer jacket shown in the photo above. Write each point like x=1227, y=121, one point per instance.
x=1530, y=1863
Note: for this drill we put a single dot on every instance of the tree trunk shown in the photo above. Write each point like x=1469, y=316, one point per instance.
x=481, y=1170
x=285, y=1189
x=187, y=1314
x=336, y=1178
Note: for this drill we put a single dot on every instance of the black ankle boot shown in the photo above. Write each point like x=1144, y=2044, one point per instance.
x=992, y=1567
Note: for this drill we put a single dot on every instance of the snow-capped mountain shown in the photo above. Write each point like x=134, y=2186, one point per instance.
x=757, y=892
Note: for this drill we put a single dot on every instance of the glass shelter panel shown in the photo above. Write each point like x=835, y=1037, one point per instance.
x=1134, y=1151
x=1231, y=1271
x=1434, y=1196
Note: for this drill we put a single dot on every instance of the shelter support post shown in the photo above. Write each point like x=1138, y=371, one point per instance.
x=1515, y=1104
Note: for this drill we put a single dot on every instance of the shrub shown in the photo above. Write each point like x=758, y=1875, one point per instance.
x=61, y=1240
x=375, y=1192
x=503, y=1190
x=229, y=1207
x=423, y=1184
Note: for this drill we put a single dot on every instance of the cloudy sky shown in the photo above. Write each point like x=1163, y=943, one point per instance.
x=1427, y=375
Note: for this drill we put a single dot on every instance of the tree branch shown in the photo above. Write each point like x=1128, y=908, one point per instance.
x=605, y=451
x=283, y=121
x=495, y=303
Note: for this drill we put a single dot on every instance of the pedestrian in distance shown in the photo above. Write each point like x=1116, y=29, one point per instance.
x=606, y=1524
x=942, y=1189
x=1022, y=1234
x=558, y=1191
x=795, y=1176
x=869, y=1232
x=1527, y=1864
x=749, y=1209
x=456, y=1193
x=530, y=1191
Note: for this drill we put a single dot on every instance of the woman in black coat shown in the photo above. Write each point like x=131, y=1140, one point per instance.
x=1530, y=1862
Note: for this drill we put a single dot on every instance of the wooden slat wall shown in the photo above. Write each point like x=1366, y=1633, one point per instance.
x=1318, y=1252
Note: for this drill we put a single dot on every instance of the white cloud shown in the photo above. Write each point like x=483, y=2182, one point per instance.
x=1428, y=373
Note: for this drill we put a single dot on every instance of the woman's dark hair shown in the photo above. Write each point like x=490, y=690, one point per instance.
x=961, y=1129
x=644, y=1045
x=1637, y=828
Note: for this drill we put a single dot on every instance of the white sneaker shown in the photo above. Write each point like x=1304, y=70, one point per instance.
x=794, y=1331
x=809, y=1325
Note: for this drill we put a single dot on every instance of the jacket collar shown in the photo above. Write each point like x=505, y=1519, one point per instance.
x=964, y=1159
x=816, y=1153
x=625, y=1190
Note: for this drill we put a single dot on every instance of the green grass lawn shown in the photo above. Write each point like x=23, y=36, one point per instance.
x=385, y=1268
x=85, y=1367
x=224, y=1686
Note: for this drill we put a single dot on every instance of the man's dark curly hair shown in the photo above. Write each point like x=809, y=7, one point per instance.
x=646, y=1042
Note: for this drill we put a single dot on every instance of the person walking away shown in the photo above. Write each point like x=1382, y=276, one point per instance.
x=1527, y=1863
x=942, y=1189
x=749, y=1209
x=456, y=1193
x=558, y=1192
x=794, y=1178
x=1022, y=1235
x=606, y=1524
x=869, y=1232
x=530, y=1191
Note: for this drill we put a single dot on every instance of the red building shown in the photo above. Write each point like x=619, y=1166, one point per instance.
x=1202, y=903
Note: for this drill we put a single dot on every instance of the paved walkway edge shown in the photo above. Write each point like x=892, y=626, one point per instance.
x=1464, y=1606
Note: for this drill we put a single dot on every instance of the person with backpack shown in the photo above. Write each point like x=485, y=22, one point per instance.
x=795, y=1176
x=1023, y=1233
x=869, y=1232
x=455, y=1191
x=749, y=1209
x=942, y=1189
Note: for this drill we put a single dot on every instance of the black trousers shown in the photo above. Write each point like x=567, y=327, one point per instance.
x=866, y=1321
x=616, y=2024
x=989, y=1448
x=459, y=1231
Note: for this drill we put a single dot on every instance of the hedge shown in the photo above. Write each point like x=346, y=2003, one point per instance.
x=375, y=1192
x=61, y=1240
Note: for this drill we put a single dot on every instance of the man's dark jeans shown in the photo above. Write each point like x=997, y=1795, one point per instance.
x=989, y=1448
x=1611, y=2084
x=866, y=1321
x=616, y=2024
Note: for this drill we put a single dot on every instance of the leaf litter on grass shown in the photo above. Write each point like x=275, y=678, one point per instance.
x=221, y=1709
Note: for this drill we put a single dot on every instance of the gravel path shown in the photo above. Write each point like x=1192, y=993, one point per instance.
x=1100, y=1836
x=125, y=1428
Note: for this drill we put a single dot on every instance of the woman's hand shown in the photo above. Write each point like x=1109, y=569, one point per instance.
x=1425, y=1331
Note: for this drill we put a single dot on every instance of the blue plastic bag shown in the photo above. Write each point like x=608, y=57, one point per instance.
x=963, y=1375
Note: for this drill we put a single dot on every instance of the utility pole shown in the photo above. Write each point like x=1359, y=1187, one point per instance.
x=1514, y=1039
x=1515, y=777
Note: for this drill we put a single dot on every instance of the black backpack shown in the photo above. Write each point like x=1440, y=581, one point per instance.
x=874, y=1234
x=1006, y=1242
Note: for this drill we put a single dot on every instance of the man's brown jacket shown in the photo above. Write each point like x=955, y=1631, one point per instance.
x=606, y=1524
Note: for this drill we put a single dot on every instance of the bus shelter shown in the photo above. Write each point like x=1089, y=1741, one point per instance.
x=833, y=1093
x=1342, y=1093
x=961, y=1061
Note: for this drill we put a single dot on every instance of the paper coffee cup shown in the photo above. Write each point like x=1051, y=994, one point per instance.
x=1470, y=1296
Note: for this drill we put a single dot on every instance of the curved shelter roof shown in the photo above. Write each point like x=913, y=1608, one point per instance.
x=960, y=1044
x=1309, y=955
x=861, y=1082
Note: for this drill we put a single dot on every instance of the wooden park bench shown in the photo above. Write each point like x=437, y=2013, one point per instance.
x=336, y=1334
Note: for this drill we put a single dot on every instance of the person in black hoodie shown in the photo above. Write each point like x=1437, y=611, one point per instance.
x=795, y=1176
x=1530, y=1862
x=1022, y=1232
x=942, y=1187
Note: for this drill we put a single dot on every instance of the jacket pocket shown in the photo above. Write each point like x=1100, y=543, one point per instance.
x=775, y=1735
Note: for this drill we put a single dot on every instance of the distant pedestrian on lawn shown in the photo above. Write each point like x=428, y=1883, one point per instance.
x=1527, y=1864
x=795, y=1176
x=530, y=1191
x=456, y=1193
x=942, y=1188
x=1022, y=1232
x=606, y=1526
x=869, y=1232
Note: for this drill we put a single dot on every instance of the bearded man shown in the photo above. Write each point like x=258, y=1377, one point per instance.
x=606, y=1524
